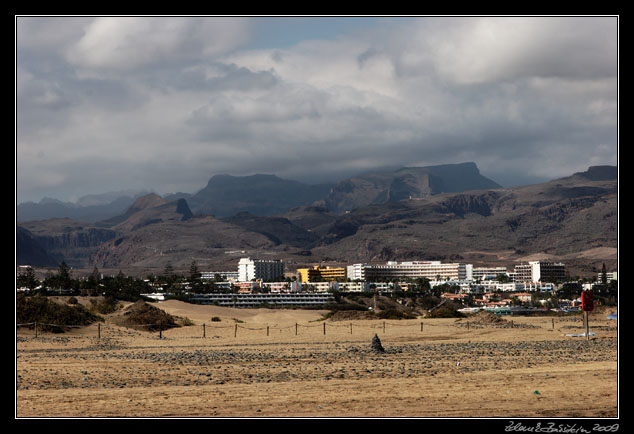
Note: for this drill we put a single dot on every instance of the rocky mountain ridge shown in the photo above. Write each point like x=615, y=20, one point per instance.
x=564, y=218
x=268, y=195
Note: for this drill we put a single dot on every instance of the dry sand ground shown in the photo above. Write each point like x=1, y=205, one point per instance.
x=449, y=369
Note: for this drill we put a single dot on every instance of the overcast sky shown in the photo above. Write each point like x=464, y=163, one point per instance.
x=164, y=103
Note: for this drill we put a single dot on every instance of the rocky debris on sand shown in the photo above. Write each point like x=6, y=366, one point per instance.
x=376, y=344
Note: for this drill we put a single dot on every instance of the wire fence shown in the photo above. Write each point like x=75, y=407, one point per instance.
x=324, y=328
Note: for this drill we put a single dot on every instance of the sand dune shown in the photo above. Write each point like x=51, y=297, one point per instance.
x=519, y=367
x=204, y=313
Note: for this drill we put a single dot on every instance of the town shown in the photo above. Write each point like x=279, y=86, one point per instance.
x=257, y=282
x=482, y=287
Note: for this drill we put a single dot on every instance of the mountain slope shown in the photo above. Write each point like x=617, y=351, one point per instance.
x=59, y=239
x=149, y=209
x=573, y=219
x=278, y=229
x=31, y=252
x=561, y=218
x=227, y=195
x=405, y=183
x=91, y=208
x=155, y=231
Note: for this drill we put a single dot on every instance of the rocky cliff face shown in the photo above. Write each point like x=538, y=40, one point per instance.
x=64, y=239
x=405, y=183
x=262, y=195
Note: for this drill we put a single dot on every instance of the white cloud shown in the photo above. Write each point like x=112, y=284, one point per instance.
x=151, y=100
x=123, y=44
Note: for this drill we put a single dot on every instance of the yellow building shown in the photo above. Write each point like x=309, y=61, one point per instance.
x=321, y=274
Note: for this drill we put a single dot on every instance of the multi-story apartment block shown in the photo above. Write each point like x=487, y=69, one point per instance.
x=264, y=269
x=318, y=274
x=540, y=271
x=610, y=276
x=227, y=275
x=432, y=270
x=487, y=273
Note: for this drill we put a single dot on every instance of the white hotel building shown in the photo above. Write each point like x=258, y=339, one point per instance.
x=249, y=269
x=432, y=270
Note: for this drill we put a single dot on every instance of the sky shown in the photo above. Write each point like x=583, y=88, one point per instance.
x=163, y=103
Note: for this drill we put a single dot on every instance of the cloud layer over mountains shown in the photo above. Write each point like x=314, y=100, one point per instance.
x=163, y=103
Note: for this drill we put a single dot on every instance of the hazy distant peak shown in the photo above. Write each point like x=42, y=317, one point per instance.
x=109, y=197
x=148, y=201
x=600, y=173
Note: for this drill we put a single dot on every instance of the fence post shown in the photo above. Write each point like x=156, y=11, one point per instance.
x=267, y=330
x=161, y=332
x=421, y=326
x=35, y=328
x=383, y=327
x=98, y=331
x=204, y=334
x=324, y=329
x=295, y=329
x=350, y=328
x=553, y=322
x=235, y=331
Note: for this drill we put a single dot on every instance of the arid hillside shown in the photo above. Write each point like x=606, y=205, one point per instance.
x=572, y=219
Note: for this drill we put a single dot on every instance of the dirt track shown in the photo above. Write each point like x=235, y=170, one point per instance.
x=526, y=368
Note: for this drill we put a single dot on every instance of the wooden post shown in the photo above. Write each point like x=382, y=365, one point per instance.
x=267, y=330
x=235, y=331
x=586, y=318
x=98, y=331
x=324, y=329
x=204, y=334
x=161, y=332
x=295, y=329
x=35, y=328
x=383, y=327
x=553, y=322
x=421, y=326
x=467, y=325
x=350, y=328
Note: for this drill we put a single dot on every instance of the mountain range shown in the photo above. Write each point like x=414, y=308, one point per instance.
x=265, y=195
x=448, y=212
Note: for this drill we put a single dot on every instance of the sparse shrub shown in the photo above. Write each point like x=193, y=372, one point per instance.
x=449, y=310
x=394, y=314
x=184, y=321
x=72, y=300
x=150, y=317
x=216, y=319
x=52, y=316
x=105, y=306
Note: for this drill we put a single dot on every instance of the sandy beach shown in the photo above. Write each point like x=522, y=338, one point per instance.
x=250, y=363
